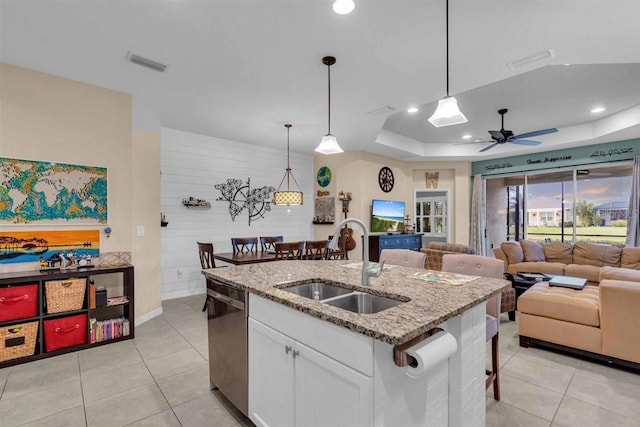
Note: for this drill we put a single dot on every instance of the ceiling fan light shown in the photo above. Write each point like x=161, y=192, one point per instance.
x=342, y=7
x=329, y=145
x=447, y=113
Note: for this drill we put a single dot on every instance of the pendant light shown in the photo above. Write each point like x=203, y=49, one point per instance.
x=447, y=113
x=288, y=197
x=329, y=143
x=342, y=7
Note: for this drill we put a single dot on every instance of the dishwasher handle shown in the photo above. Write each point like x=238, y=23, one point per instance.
x=226, y=299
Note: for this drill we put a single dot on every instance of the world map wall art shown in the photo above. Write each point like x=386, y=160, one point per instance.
x=46, y=193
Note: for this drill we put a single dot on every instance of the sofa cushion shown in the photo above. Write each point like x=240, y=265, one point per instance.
x=559, y=252
x=537, y=267
x=569, y=305
x=615, y=273
x=513, y=251
x=589, y=272
x=596, y=254
x=630, y=258
x=533, y=251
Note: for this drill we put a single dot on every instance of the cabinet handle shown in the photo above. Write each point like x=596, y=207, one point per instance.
x=287, y=349
x=296, y=353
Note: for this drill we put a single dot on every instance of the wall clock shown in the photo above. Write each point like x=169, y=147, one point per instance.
x=385, y=179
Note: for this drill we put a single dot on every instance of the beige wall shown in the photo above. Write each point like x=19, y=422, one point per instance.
x=357, y=172
x=48, y=118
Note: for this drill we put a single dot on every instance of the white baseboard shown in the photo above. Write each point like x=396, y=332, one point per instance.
x=183, y=293
x=148, y=316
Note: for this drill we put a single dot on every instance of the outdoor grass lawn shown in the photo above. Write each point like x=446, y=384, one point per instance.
x=613, y=235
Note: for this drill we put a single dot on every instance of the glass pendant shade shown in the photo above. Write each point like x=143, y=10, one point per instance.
x=447, y=113
x=287, y=197
x=329, y=145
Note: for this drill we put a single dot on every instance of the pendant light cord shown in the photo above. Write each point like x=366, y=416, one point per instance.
x=447, y=43
x=329, y=98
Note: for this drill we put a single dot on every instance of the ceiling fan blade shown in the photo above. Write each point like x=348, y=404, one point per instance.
x=472, y=142
x=496, y=134
x=535, y=133
x=489, y=147
x=524, y=142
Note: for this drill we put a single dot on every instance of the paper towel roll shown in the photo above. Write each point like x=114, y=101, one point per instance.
x=430, y=352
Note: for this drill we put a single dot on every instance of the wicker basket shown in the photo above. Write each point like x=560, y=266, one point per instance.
x=65, y=295
x=18, y=340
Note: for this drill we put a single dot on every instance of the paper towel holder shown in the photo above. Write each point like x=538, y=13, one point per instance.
x=401, y=357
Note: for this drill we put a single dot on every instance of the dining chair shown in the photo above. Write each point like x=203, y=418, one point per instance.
x=205, y=250
x=289, y=250
x=338, y=253
x=244, y=244
x=476, y=265
x=404, y=257
x=316, y=249
x=268, y=243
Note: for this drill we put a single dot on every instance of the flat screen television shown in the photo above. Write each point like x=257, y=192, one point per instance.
x=387, y=216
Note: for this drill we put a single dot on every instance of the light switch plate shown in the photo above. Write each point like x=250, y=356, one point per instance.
x=140, y=230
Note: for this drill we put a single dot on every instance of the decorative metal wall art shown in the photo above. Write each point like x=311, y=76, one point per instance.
x=240, y=196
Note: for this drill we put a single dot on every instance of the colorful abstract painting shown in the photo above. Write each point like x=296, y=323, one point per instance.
x=34, y=192
x=31, y=246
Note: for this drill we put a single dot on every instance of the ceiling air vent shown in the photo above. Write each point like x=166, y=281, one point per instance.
x=531, y=59
x=146, y=62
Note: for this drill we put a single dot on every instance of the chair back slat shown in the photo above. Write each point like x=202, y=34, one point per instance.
x=244, y=244
x=268, y=243
x=205, y=251
x=289, y=250
x=316, y=249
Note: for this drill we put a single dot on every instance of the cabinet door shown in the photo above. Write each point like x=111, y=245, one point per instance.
x=270, y=376
x=329, y=393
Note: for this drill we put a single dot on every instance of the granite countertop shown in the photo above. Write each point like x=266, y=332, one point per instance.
x=429, y=302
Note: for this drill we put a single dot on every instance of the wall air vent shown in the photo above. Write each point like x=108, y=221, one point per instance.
x=531, y=59
x=146, y=62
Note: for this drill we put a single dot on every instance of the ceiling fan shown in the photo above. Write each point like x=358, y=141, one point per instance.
x=501, y=136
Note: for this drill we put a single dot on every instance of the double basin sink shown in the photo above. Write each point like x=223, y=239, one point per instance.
x=344, y=298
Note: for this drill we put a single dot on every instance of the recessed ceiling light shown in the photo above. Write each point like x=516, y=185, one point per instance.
x=342, y=7
x=597, y=109
x=412, y=110
x=466, y=136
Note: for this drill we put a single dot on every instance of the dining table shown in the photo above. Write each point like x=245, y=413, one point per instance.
x=242, y=258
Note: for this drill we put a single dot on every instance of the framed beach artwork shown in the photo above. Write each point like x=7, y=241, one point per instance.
x=45, y=193
x=35, y=246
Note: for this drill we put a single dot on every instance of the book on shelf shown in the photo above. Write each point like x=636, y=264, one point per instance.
x=103, y=330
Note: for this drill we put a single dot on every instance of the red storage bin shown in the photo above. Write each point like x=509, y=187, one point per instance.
x=18, y=302
x=65, y=332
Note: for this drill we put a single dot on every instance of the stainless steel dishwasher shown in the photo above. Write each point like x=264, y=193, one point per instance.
x=227, y=330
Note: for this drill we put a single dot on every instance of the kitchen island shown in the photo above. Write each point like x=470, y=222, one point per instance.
x=311, y=363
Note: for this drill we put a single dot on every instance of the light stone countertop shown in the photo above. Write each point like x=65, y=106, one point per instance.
x=430, y=303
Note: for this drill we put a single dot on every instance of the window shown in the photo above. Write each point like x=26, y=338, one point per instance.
x=571, y=205
x=431, y=216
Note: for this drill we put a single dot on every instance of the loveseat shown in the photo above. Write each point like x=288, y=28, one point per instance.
x=565, y=259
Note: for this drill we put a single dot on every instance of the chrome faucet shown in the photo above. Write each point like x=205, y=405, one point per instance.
x=367, y=271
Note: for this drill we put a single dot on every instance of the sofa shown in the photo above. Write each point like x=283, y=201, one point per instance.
x=601, y=321
x=436, y=250
x=584, y=260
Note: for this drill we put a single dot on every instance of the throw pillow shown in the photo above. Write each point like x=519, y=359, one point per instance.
x=533, y=251
x=559, y=252
x=513, y=251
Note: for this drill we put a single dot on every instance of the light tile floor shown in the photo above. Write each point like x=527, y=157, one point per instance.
x=161, y=379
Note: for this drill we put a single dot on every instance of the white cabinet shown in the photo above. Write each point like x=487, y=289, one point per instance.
x=291, y=384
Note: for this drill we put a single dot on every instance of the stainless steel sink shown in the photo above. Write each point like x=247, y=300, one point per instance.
x=317, y=290
x=362, y=303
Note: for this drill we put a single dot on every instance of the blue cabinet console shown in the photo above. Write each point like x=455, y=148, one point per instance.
x=379, y=242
